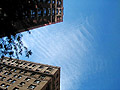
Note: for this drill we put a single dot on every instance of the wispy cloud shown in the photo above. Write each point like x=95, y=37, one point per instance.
x=65, y=47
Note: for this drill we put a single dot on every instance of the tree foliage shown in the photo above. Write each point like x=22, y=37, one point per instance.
x=12, y=19
x=13, y=46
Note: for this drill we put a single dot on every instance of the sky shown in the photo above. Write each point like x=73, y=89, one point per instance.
x=86, y=45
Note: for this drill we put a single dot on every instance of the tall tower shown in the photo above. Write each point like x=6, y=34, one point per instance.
x=21, y=15
x=23, y=75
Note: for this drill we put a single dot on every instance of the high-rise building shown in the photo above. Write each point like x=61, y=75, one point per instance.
x=22, y=15
x=24, y=75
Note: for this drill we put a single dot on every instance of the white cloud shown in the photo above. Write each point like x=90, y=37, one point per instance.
x=65, y=47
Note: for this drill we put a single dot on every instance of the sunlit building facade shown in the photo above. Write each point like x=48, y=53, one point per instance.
x=23, y=75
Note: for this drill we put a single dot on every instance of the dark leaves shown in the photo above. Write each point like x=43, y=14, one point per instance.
x=13, y=47
x=1, y=46
x=28, y=53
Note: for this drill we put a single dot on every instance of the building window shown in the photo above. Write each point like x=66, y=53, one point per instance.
x=41, y=67
x=32, y=74
x=37, y=70
x=0, y=77
x=30, y=68
x=3, y=78
x=20, y=62
x=19, y=76
x=15, y=70
x=24, y=63
x=1, y=66
x=37, y=81
x=25, y=72
x=39, y=13
x=5, y=73
x=7, y=86
x=6, y=68
x=33, y=65
x=57, y=75
x=27, y=79
x=53, y=11
x=50, y=68
x=3, y=62
x=42, y=77
x=60, y=11
x=49, y=1
x=17, y=65
x=0, y=71
x=57, y=11
x=30, y=64
x=21, y=71
x=26, y=67
x=13, y=61
x=11, y=69
x=46, y=72
x=8, y=60
x=16, y=61
x=16, y=88
x=44, y=9
x=56, y=83
x=49, y=11
x=15, y=76
x=9, y=73
x=22, y=83
x=31, y=87
x=13, y=81
x=32, y=13
x=59, y=2
x=9, y=80
x=53, y=1
x=2, y=84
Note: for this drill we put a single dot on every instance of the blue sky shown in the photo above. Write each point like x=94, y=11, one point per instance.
x=86, y=45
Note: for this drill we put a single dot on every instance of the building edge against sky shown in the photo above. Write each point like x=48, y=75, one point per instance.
x=24, y=75
x=47, y=12
x=29, y=14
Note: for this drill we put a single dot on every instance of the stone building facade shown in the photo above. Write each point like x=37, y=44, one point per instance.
x=24, y=75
